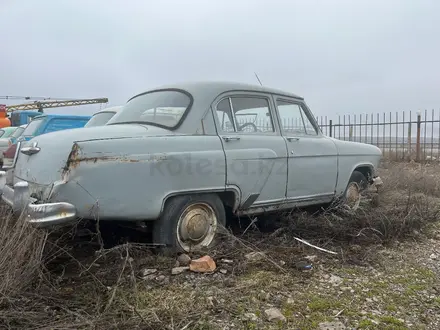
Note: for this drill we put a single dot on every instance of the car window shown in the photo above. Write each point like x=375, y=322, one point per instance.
x=17, y=132
x=32, y=127
x=251, y=114
x=161, y=108
x=293, y=119
x=224, y=115
x=100, y=119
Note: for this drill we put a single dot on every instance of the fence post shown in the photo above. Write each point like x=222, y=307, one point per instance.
x=331, y=127
x=419, y=124
x=350, y=133
x=409, y=140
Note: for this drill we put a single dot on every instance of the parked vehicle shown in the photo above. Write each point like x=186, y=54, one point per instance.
x=102, y=117
x=10, y=148
x=42, y=124
x=6, y=131
x=46, y=123
x=23, y=117
x=183, y=156
x=7, y=138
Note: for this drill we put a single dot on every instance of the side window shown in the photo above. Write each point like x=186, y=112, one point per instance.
x=224, y=115
x=252, y=114
x=293, y=119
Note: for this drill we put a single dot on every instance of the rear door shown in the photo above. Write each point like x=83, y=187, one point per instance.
x=312, y=157
x=255, y=151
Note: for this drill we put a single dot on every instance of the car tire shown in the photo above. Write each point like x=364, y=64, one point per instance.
x=352, y=194
x=190, y=223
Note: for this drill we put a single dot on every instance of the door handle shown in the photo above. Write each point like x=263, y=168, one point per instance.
x=290, y=139
x=230, y=138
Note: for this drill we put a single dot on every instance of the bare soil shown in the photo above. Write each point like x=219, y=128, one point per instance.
x=385, y=274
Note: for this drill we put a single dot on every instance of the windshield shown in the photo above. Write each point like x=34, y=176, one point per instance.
x=161, y=108
x=32, y=127
x=100, y=119
x=17, y=132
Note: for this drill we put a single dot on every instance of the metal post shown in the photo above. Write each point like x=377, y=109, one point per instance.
x=419, y=124
x=331, y=127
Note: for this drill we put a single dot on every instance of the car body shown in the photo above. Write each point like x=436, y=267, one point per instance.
x=182, y=157
x=6, y=131
x=46, y=123
x=10, y=139
x=22, y=117
x=101, y=117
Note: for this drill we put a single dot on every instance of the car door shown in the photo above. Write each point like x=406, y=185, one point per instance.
x=312, y=157
x=255, y=151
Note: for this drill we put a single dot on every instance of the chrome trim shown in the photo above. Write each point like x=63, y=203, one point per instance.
x=30, y=150
x=44, y=215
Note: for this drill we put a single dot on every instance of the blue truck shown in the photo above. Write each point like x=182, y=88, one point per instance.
x=22, y=117
x=41, y=124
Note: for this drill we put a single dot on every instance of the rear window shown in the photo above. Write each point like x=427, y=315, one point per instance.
x=32, y=127
x=161, y=108
x=100, y=119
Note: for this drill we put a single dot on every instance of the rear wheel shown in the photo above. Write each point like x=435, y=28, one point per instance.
x=356, y=185
x=190, y=223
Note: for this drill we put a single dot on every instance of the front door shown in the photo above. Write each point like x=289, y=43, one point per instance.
x=255, y=151
x=312, y=157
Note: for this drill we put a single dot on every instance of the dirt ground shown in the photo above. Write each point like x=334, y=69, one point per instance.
x=385, y=274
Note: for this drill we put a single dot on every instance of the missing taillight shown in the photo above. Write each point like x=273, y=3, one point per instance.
x=10, y=152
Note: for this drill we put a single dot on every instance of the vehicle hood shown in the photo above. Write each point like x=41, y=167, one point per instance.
x=45, y=166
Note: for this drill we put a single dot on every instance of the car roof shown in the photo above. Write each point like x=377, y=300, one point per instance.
x=114, y=109
x=211, y=89
x=61, y=116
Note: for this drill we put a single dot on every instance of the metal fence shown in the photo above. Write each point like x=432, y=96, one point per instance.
x=401, y=135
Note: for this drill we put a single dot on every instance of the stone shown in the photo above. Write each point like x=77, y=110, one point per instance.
x=335, y=280
x=227, y=261
x=178, y=270
x=337, y=325
x=147, y=271
x=184, y=260
x=255, y=256
x=250, y=317
x=204, y=264
x=274, y=315
x=312, y=258
x=223, y=271
x=433, y=256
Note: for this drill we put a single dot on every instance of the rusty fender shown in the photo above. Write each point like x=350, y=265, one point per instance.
x=76, y=157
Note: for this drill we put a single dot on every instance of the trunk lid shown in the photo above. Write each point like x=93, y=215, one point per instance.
x=45, y=164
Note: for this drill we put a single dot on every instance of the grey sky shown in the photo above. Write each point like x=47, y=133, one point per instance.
x=342, y=56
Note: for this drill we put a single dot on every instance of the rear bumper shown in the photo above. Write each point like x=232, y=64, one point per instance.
x=39, y=215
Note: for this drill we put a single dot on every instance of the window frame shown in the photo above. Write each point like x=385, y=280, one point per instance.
x=173, y=128
x=235, y=94
x=305, y=111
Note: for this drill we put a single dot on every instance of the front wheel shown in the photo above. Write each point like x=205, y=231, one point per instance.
x=352, y=195
x=190, y=223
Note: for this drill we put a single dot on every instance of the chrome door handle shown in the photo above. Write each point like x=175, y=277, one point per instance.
x=290, y=139
x=230, y=138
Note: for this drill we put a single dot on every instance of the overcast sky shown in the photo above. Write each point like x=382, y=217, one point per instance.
x=344, y=57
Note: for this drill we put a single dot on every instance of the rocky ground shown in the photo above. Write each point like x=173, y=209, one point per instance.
x=384, y=275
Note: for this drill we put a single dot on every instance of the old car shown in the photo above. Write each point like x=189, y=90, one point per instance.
x=182, y=157
x=103, y=116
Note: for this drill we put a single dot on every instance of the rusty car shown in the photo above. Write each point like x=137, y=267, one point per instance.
x=183, y=158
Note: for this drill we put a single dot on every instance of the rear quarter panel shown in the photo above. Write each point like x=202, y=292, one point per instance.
x=129, y=178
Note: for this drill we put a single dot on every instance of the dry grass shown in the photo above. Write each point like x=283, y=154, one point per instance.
x=21, y=253
x=81, y=288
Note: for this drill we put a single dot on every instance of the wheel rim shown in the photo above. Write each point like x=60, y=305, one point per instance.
x=196, y=227
x=353, y=196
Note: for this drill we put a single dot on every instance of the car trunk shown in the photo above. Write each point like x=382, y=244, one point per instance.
x=46, y=165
